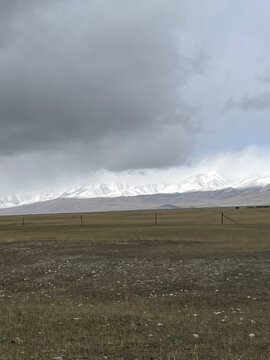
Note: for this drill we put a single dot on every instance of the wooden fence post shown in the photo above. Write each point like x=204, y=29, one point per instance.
x=222, y=216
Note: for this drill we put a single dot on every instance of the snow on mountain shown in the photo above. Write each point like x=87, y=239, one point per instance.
x=199, y=182
x=112, y=190
x=252, y=181
x=194, y=183
x=13, y=200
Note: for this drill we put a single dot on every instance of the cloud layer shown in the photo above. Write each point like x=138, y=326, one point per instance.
x=103, y=87
x=96, y=79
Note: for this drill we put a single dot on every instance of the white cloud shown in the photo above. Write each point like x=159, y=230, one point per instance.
x=231, y=165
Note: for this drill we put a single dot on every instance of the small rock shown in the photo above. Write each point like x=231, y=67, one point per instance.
x=16, y=340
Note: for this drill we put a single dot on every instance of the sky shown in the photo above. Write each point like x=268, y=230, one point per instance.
x=154, y=90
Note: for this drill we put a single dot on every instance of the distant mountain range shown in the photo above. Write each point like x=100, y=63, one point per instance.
x=197, y=191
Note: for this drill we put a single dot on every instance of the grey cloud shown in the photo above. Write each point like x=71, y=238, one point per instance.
x=146, y=151
x=127, y=85
x=47, y=170
x=265, y=78
x=77, y=76
x=256, y=102
x=200, y=63
x=12, y=17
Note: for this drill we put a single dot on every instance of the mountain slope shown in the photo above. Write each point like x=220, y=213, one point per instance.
x=252, y=181
x=199, y=182
x=225, y=197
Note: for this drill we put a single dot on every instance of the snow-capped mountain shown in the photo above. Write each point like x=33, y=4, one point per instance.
x=251, y=181
x=199, y=182
x=203, y=182
x=13, y=200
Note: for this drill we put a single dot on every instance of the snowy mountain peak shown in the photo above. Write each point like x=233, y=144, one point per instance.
x=197, y=182
x=204, y=182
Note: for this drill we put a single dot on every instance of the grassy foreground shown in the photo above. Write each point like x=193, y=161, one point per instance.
x=121, y=287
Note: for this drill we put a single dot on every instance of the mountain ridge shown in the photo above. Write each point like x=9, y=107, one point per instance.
x=198, y=182
x=255, y=196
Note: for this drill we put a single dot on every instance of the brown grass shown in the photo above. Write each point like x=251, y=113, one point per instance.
x=120, y=287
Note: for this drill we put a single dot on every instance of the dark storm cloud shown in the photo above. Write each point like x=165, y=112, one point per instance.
x=95, y=79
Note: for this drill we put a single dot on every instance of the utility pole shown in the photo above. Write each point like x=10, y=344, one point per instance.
x=222, y=217
x=81, y=220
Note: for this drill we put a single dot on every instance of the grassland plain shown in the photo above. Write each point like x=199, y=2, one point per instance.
x=121, y=287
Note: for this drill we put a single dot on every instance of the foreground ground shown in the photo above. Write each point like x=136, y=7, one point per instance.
x=121, y=287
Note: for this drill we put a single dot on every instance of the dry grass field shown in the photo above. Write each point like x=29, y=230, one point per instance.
x=121, y=287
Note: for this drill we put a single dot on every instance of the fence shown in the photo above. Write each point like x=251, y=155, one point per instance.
x=228, y=216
